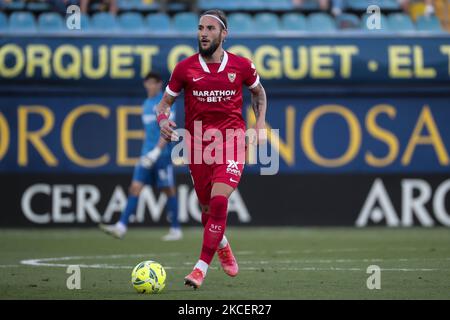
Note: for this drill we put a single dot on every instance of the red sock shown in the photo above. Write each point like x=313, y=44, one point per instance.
x=214, y=228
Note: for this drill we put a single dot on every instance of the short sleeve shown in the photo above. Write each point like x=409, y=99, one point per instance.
x=176, y=81
x=251, y=77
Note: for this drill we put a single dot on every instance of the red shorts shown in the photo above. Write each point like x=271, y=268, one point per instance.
x=205, y=175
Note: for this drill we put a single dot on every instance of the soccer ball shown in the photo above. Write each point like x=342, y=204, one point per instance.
x=148, y=277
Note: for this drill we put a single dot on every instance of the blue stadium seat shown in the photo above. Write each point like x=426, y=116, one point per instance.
x=266, y=22
x=131, y=21
x=293, y=22
x=103, y=22
x=3, y=22
x=384, y=24
x=51, y=22
x=320, y=22
x=186, y=22
x=430, y=23
x=240, y=23
x=158, y=22
x=348, y=21
x=22, y=21
x=400, y=22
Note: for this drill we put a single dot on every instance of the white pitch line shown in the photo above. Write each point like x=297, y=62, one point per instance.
x=9, y=265
x=50, y=262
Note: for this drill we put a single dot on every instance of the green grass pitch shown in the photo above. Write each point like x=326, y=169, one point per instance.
x=275, y=263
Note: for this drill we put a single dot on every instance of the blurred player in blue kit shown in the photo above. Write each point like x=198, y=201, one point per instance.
x=154, y=168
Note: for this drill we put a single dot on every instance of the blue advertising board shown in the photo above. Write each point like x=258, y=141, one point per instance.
x=280, y=61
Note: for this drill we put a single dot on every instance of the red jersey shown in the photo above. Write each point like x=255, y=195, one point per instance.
x=213, y=91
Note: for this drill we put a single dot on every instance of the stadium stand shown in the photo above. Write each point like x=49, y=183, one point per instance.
x=245, y=16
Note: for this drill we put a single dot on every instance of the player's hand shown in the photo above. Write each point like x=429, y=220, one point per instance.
x=167, y=130
x=148, y=160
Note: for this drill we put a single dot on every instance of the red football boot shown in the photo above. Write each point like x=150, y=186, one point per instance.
x=228, y=261
x=195, y=278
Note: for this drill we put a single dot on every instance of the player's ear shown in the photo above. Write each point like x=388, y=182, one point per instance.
x=224, y=33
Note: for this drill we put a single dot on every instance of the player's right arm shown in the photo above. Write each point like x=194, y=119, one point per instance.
x=173, y=89
x=163, y=113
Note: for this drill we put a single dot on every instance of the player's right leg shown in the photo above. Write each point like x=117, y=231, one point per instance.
x=119, y=229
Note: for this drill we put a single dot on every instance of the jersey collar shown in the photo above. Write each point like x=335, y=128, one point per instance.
x=222, y=65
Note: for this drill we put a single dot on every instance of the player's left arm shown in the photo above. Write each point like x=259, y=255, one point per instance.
x=259, y=106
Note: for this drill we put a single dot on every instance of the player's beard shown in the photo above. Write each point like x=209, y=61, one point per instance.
x=208, y=52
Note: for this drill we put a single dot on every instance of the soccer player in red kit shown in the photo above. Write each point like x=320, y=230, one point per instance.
x=212, y=81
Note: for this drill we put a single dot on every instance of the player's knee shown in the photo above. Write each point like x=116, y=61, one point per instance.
x=218, y=206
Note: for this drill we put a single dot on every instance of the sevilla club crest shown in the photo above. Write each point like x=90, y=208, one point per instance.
x=231, y=76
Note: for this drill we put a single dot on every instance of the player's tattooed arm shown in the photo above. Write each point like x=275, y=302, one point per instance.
x=259, y=105
x=167, y=126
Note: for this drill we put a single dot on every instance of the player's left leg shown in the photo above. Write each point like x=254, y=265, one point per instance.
x=175, y=232
x=165, y=181
x=118, y=230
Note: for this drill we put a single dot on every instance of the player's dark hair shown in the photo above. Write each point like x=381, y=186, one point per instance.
x=153, y=75
x=219, y=14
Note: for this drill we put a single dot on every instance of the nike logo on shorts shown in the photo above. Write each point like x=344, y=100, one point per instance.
x=231, y=179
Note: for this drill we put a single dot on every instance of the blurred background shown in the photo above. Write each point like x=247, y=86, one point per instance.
x=360, y=95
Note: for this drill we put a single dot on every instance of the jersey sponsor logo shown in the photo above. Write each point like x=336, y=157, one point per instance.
x=233, y=168
x=231, y=76
x=233, y=164
x=197, y=79
x=213, y=95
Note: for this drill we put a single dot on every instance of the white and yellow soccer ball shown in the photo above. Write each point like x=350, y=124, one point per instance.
x=148, y=277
